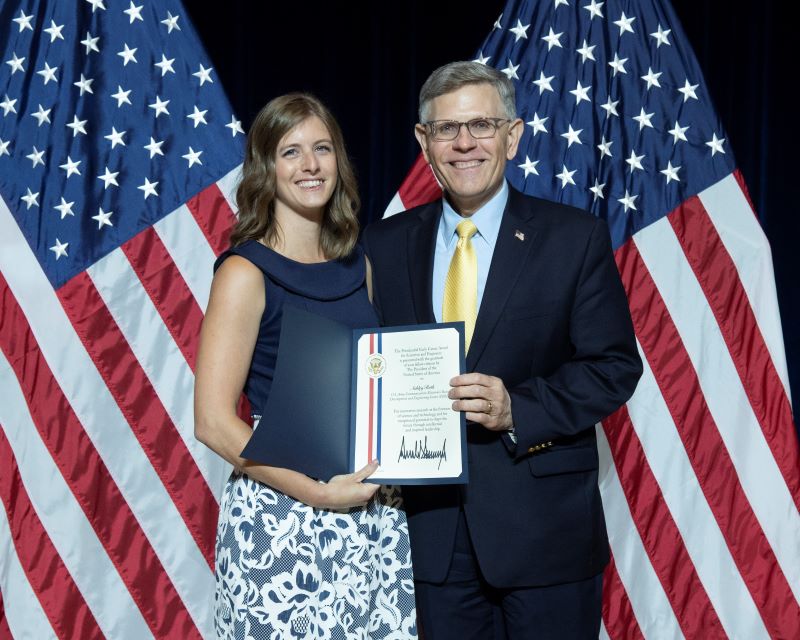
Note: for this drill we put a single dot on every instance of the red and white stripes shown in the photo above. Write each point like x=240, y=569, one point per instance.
x=696, y=415
x=109, y=502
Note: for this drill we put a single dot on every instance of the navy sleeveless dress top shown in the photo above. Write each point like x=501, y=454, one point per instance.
x=335, y=289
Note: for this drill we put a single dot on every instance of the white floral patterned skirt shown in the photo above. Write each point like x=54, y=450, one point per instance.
x=285, y=570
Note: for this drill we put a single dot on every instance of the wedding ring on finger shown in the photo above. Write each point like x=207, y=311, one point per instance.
x=489, y=408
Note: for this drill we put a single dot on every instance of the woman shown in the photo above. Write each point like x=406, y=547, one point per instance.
x=294, y=557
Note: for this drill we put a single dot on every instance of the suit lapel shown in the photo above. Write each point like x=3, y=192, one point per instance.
x=421, y=247
x=515, y=242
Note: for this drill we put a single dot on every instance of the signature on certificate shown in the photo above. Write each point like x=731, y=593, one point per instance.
x=421, y=451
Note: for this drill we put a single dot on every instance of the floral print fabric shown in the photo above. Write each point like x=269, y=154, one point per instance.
x=285, y=570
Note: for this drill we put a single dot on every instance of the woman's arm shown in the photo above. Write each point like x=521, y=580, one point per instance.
x=227, y=341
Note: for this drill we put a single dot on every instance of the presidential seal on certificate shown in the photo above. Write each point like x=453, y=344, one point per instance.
x=342, y=397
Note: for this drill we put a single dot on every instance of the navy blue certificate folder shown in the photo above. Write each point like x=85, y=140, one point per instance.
x=308, y=421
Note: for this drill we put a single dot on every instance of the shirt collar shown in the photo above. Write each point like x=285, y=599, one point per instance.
x=487, y=219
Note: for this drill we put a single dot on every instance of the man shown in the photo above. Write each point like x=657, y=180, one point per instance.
x=550, y=353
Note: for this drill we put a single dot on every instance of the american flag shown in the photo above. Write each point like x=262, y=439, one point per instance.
x=700, y=472
x=118, y=157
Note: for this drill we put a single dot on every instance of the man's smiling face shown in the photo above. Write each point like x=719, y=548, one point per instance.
x=469, y=169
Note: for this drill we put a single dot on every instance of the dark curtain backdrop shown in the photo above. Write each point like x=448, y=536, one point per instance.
x=367, y=61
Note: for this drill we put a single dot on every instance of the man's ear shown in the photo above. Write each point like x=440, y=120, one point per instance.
x=515, y=129
x=419, y=132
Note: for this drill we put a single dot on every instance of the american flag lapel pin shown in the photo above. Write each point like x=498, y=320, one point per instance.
x=519, y=235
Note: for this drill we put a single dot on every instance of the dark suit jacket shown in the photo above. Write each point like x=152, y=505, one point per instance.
x=554, y=325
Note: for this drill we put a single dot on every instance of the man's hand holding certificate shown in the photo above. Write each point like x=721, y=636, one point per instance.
x=341, y=398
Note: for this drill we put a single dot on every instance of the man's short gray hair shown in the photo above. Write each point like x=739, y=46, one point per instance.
x=451, y=77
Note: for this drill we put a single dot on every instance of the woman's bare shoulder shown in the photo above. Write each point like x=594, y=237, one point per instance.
x=237, y=282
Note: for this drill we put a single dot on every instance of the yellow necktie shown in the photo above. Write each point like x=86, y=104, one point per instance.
x=461, y=285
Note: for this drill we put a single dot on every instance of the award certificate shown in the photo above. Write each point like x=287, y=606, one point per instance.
x=402, y=415
x=341, y=398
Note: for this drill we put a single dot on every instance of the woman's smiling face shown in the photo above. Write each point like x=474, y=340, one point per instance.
x=305, y=168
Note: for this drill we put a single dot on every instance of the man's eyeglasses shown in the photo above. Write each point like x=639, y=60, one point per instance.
x=444, y=130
